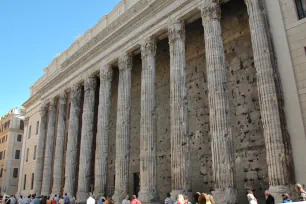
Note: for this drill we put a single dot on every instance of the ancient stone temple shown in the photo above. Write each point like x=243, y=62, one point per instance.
x=177, y=96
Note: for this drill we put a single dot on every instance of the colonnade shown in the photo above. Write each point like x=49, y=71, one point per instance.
x=222, y=144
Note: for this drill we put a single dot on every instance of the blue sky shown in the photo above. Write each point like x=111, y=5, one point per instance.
x=32, y=32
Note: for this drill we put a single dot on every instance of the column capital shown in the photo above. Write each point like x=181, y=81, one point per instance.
x=52, y=104
x=210, y=10
x=176, y=30
x=90, y=83
x=125, y=62
x=106, y=73
x=148, y=47
x=63, y=98
x=76, y=91
x=43, y=109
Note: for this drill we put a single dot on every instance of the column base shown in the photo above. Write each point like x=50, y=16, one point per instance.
x=277, y=191
x=147, y=197
x=118, y=197
x=225, y=196
x=82, y=197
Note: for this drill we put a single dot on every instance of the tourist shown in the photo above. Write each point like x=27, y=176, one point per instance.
x=35, y=199
x=202, y=199
x=286, y=198
x=102, y=200
x=251, y=192
x=72, y=200
x=61, y=200
x=53, y=201
x=56, y=199
x=168, y=200
x=251, y=199
x=43, y=200
x=126, y=200
x=48, y=200
x=186, y=200
x=66, y=199
x=13, y=199
x=26, y=200
x=20, y=201
x=109, y=200
x=269, y=198
x=301, y=192
x=90, y=199
x=134, y=200
x=180, y=199
x=196, y=197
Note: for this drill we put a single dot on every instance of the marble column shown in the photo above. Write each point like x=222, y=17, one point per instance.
x=40, y=150
x=148, y=180
x=106, y=75
x=72, y=143
x=178, y=114
x=222, y=144
x=276, y=154
x=47, y=172
x=59, y=147
x=86, y=153
x=123, y=127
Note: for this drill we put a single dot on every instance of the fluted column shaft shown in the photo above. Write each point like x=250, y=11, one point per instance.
x=47, y=172
x=123, y=127
x=101, y=162
x=86, y=153
x=179, y=115
x=148, y=180
x=278, y=170
x=40, y=150
x=72, y=143
x=59, y=147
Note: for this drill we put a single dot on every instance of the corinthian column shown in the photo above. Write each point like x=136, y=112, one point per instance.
x=86, y=154
x=276, y=151
x=222, y=144
x=179, y=115
x=72, y=143
x=59, y=147
x=148, y=186
x=47, y=173
x=106, y=75
x=123, y=127
x=41, y=149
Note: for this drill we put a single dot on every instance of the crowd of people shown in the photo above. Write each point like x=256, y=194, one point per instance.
x=199, y=198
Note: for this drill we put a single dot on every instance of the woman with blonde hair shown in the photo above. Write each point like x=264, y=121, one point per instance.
x=180, y=199
x=301, y=192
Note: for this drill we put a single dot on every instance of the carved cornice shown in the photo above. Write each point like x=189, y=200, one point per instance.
x=125, y=62
x=63, y=98
x=90, y=83
x=210, y=11
x=176, y=30
x=148, y=47
x=76, y=91
x=106, y=73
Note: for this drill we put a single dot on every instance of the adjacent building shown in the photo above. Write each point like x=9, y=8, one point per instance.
x=11, y=136
x=177, y=96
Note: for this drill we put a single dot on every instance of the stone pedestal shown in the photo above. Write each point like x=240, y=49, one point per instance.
x=106, y=75
x=48, y=160
x=180, y=159
x=86, y=153
x=72, y=143
x=59, y=147
x=123, y=127
x=148, y=180
x=41, y=149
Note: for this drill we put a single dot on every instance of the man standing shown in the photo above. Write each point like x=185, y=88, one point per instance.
x=134, y=200
x=269, y=198
x=109, y=200
x=66, y=199
x=169, y=200
x=56, y=199
x=90, y=199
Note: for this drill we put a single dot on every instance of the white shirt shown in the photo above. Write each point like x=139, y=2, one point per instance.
x=90, y=200
x=125, y=201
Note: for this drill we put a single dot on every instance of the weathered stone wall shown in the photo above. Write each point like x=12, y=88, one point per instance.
x=246, y=124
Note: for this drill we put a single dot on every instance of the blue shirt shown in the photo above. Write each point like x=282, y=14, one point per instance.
x=287, y=201
x=66, y=199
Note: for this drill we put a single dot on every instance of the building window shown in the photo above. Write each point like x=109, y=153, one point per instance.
x=19, y=138
x=1, y=155
x=4, y=154
x=17, y=154
x=15, y=173
x=1, y=171
x=3, y=139
x=24, y=182
x=21, y=126
x=27, y=156
x=301, y=8
x=32, y=181
x=30, y=129
x=37, y=127
x=34, y=154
